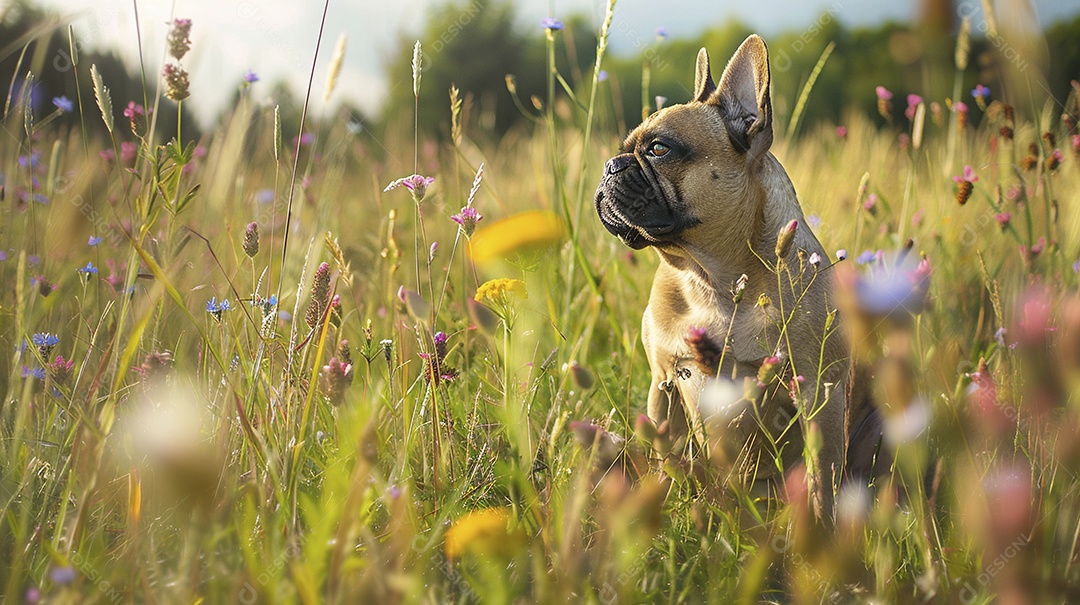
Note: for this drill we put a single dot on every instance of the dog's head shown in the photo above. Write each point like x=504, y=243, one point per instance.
x=687, y=170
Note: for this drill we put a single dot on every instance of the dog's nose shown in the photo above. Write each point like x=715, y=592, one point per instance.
x=619, y=163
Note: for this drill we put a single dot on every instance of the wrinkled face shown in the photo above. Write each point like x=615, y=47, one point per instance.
x=677, y=170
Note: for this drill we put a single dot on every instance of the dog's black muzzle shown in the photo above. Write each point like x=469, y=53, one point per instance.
x=630, y=206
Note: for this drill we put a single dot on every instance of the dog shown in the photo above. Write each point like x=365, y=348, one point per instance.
x=697, y=183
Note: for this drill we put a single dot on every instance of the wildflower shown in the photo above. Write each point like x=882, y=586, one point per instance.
x=251, y=240
x=739, y=289
x=961, y=110
x=432, y=250
x=155, y=367
x=815, y=260
x=870, y=205
x=965, y=184
x=523, y=231
x=581, y=376
x=1003, y=219
x=335, y=378
x=251, y=77
x=437, y=369
x=93, y=241
x=28, y=372
x=784, y=238
x=215, y=309
x=841, y=132
x=64, y=104
x=884, y=102
x=1076, y=144
x=888, y=292
x=770, y=369
x=29, y=161
x=500, y=289
x=60, y=369
x=1053, y=160
x=44, y=342
x=980, y=93
x=484, y=532
x=87, y=271
x=551, y=24
x=467, y=218
x=136, y=115
x=841, y=254
x=868, y=256
x=415, y=304
x=913, y=102
x=179, y=38
x=660, y=100
x=176, y=82
x=602, y=75
x=415, y=183
x=320, y=295
x=62, y=575
x=706, y=351
x=661, y=32
x=608, y=445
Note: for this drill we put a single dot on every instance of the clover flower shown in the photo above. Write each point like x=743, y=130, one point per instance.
x=913, y=102
x=60, y=369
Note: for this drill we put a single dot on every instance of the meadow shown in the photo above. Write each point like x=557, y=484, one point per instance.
x=270, y=366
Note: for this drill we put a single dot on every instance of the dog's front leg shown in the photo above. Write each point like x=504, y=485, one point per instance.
x=831, y=426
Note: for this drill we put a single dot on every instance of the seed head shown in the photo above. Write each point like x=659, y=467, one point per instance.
x=320, y=295
x=251, y=240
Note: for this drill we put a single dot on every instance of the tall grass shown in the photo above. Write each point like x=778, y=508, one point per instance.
x=373, y=433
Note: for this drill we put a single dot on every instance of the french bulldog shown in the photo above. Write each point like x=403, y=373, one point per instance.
x=740, y=274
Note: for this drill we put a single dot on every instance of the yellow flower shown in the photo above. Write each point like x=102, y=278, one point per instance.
x=483, y=532
x=498, y=291
x=516, y=233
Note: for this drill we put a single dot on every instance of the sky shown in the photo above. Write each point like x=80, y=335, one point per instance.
x=277, y=38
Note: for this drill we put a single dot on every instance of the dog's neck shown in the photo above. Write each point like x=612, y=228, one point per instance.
x=771, y=203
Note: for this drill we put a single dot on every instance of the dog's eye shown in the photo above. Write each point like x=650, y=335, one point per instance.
x=658, y=149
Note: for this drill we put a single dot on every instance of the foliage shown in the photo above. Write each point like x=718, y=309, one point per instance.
x=329, y=407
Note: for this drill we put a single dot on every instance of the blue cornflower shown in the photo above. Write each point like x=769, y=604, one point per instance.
x=29, y=161
x=88, y=270
x=251, y=77
x=93, y=241
x=867, y=256
x=64, y=104
x=551, y=23
x=215, y=308
x=980, y=92
x=62, y=575
x=45, y=339
x=661, y=32
x=38, y=373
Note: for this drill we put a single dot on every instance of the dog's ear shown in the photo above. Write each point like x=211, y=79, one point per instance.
x=703, y=82
x=743, y=98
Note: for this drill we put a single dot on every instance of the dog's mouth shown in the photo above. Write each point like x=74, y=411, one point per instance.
x=634, y=236
x=632, y=207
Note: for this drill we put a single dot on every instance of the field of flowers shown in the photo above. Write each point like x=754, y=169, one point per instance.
x=270, y=366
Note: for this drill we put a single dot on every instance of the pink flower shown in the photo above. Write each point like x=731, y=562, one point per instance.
x=883, y=93
x=841, y=132
x=467, y=218
x=417, y=184
x=968, y=176
x=1003, y=219
x=913, y=102
x=960, y=107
